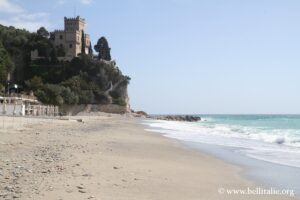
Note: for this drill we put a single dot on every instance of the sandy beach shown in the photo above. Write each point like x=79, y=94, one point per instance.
x=108, y=157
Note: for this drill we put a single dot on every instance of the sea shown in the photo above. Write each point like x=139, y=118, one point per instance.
x=267, y=145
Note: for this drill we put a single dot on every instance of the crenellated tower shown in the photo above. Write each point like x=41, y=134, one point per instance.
x=70, y=39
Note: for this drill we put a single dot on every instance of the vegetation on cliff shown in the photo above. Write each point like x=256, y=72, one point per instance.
x=83, y=80
x=103, y=49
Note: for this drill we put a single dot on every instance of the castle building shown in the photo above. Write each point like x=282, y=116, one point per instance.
x=68, y=42
x=70, y=39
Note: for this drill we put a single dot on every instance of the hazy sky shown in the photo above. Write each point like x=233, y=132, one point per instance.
x=189, y=56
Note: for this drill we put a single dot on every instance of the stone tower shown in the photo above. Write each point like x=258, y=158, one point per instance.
x=70, y=39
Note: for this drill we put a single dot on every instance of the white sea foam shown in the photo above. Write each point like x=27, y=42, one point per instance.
x=277, y=146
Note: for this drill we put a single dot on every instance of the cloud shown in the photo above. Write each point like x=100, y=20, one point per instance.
x=28, y=25
x=28, y=21
x=61, y=2
x=15, y=15
x=86, y=2
x=10, y=7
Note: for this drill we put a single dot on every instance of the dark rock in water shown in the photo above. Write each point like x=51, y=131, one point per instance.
x=280, y=140
x=188, y=118
x=142, y=113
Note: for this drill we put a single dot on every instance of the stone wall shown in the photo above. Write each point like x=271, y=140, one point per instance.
x=113, y=108
x=107, y=108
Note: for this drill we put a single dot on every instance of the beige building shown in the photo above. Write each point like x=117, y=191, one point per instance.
x=70, y=38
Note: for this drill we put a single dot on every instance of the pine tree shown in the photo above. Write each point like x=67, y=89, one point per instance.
x=90, y=50
x=82, y=43
x=103, y=49
x=43, y=32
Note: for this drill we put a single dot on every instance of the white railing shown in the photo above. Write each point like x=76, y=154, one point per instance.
x=41, y=110
x=12, y=109
x=33, y=110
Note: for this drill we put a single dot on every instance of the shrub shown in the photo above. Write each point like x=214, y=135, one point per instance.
x=120, y=101
x=34, y=84
x=69, y=96
x=42, y=96
x=86, y=96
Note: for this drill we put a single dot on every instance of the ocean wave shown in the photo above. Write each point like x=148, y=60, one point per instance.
x=274, y=145
x=288, y=137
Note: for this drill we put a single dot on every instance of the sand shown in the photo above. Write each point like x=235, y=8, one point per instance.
x=107, y=157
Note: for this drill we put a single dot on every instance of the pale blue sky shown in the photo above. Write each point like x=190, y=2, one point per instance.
x=190, y=56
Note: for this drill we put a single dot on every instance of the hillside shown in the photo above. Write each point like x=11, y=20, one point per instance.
x=83, y=80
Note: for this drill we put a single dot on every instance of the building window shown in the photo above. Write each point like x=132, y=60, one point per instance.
x=61, y=37
x=70, y=45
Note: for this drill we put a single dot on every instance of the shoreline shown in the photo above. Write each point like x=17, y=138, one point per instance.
x=261, y=172
x=110, y=157
x=265, y=173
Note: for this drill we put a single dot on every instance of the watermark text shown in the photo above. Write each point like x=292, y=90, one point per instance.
x=255, y=191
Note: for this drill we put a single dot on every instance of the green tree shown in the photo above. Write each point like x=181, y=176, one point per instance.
x=103, y=49
x=43, y=32
x=34, y=84
x=83, y=43
x=59, y=100
x=53, y=55
x=86, y=96
x=42, y=96
x=90, y=50
x=6, y=64
x=2, y=89
x=69, y=96
x=51, y=94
